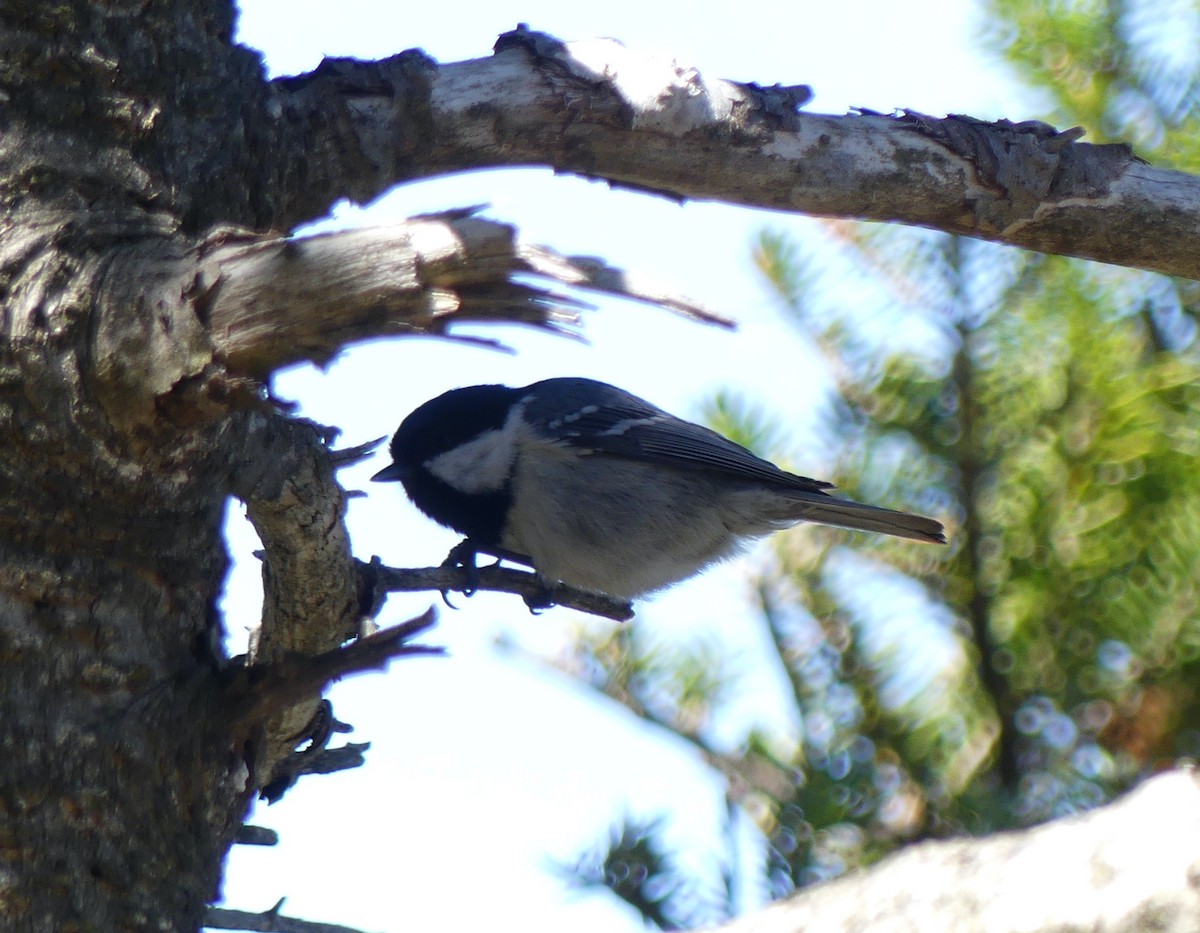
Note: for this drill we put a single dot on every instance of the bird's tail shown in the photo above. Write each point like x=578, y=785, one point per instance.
x=827, y=510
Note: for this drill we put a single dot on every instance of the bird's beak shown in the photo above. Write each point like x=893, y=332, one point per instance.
x=392, y=473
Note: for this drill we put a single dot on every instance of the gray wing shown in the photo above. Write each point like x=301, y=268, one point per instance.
x=605, y=420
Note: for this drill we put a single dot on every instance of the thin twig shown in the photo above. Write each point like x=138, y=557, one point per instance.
x=497, y=580
x=269, y=921
x=257, y=692
x=248, y=835
x=347, y=456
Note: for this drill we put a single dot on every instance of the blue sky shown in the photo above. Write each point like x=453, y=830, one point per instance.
x=483, y=766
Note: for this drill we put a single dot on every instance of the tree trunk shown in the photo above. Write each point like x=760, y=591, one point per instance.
x=120, y=784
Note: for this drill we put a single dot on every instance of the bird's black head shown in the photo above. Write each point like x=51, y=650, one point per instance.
x=467, y=491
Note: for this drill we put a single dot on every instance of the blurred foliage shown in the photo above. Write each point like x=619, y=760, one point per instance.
x=633, y=866
x=1126, y=71
x=1045, y=410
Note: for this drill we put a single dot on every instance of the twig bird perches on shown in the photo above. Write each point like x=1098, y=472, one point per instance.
x=598, y=489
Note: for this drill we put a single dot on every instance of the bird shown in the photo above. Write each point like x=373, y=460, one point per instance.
x=598, y=489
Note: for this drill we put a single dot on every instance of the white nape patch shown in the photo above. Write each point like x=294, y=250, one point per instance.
x=481, y=465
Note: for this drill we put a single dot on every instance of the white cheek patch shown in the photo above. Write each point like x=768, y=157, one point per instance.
x=481, y=465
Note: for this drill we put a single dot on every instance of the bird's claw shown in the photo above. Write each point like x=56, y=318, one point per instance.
x=462, y=557
x=540, y=601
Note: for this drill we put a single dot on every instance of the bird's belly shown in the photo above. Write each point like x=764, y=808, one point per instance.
x=616, y=527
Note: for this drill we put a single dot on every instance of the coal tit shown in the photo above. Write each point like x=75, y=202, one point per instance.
x=595, y=488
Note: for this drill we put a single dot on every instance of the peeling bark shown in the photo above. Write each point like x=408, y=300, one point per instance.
x=280, y=301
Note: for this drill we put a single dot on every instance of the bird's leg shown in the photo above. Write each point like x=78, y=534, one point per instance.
x=463, y=556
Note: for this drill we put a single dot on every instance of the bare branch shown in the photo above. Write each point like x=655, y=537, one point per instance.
x=497, y=580
x=256, y=693
x=595, y=274
x=348, y=456
x=269, y=921
x=332, y=760
x=248, y=835
x=315, y=757
x=603, y=111
x=276, y=301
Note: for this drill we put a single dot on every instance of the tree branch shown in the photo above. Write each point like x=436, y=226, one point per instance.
x=268, y=921
x=261, y=691
x=497, y=580
x=332, y=760
x=281, y=469
x=276, y=301
x=601, y=111
x=250, y=835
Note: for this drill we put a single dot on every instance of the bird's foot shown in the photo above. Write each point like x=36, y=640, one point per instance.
x=541, y=600
x=462, y=557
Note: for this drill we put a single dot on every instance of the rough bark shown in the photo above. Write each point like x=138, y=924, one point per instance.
x=148, y=176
